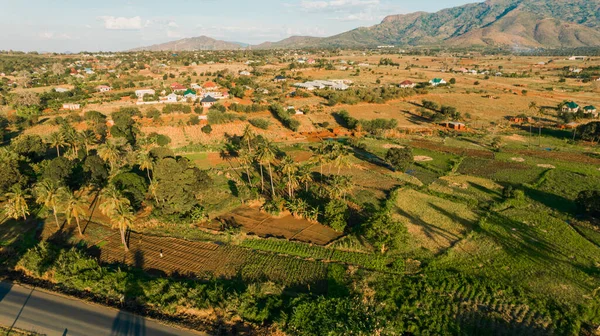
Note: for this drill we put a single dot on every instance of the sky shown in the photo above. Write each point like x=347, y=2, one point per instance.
x=116, y=25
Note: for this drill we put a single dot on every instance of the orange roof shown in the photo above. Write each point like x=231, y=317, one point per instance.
x=210, y=84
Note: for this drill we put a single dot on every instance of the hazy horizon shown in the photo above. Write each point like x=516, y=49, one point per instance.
x=39, y=25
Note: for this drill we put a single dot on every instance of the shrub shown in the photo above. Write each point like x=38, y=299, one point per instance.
x=217, y=117
x=336, y=215
x=206, y=129
x=346, y=120
x=399, y=158
x=260, y=123
x=285, y=118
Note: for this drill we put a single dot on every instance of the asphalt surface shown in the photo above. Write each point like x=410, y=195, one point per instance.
x=32, y=309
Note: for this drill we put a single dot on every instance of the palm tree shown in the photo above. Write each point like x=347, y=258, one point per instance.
x=342, y=160
x=118, y=209
x=289, y=168
x=153, y=189
x=88, y=139
x=339, y=186
x=71, y=137
x=123, y=219
x=245, y=158
x=305, y=175
x=17, y=206
x=266, y=155
x=320, y=157
x=111, y=199
x=248, y=136
x=57, y=140
x=49, y=194
x=74, y=207
x=110, y=153
x=144, y=160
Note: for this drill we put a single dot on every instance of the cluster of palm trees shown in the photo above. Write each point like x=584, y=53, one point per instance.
x=291, y=176
x=74, y=140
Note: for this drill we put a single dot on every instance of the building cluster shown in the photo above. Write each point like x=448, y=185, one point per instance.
x=334, y=84
x=573, y=107
x=208, y=94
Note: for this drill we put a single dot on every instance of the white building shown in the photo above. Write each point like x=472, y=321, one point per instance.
x=61, y=90
x=71, y=107
x=142, y=93
x=103, y=88
x=245, y=73
x=172, y=98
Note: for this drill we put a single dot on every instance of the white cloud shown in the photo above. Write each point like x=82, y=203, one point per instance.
x=173, y=24
x=122, y=23
x=52, y=36
x=336, y=4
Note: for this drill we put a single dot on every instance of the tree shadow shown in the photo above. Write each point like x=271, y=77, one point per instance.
x=233, y=188
x=126, y=323
x=550, y=200
x=5, y=288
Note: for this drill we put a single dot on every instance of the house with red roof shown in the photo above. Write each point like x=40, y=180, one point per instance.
x=407, y=85
x=176, y=87
x=210, y=86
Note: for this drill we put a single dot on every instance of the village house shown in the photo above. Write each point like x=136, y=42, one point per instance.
x=189, y=94
x=279, y=78
x=176, y=87
x=103, y=88
x=61, y=90
x=571, y=107
x=458, y=126
x=141, y=93
x=437, y=81
x=71, y=107
x=210, y=86
x=407, y=85
x=196, y=86
x=245, y=73
x=208, y=101
x=591, y=110
x=172, y=98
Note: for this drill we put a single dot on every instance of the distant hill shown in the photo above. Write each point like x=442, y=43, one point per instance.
x=498, y=23
x=194, y=43
x=515, y=23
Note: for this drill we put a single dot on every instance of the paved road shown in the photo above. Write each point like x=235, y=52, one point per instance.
x=46, y=313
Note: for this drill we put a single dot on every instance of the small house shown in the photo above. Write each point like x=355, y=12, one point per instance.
x=245, y=73
x=210, y=86
x=208, y=101
x=591, y=110
x=143, y=92
x=61, y=90
x=71, y=107
x=176, y=87
x=437, y=81
x=407, y=85
x=195, y=86
x=454, y=125
x=172, y=98
x=103, y=88
x=571, y=107
x=279, y=78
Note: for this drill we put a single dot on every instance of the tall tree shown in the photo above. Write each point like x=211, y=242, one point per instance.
x=123, y=219
x=88, y=139
x=110, y=153
x=57, y=140
x=248, y=136
x=144, y=160
x=74, y=207
x=48, y=194
x=289, y=169
x=17, y=206
x=266, y=155
x=305, y=175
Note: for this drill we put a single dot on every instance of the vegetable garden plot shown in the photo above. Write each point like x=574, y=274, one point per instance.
x=500, y=171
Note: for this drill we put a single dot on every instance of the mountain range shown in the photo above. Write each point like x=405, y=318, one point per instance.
x=496, y=23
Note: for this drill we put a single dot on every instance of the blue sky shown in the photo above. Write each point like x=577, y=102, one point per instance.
x=112, y=25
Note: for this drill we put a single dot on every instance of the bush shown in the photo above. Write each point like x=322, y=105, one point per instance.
x=216, y=117
x=193, y=120
x=400, y=158
x=589, y=202
x=285, y=118
x=177, y=108
x=336, y=215
x=260, y=123
x=206, y=129
x=377, y=125
x=153, y=113
x=346, y=120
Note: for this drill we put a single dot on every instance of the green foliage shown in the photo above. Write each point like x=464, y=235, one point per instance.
x=378, y=125
x=206, y=129
x=124, y=125
x=178, y=182
x=133, y=186
x=260, y=123
x=216, y=117
x=284, y=117
x=383, y=230
x=59, y=170
x=176, y=108
x=335, y=215
x=400, y=158
x=31, y=146
x=346, y=120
